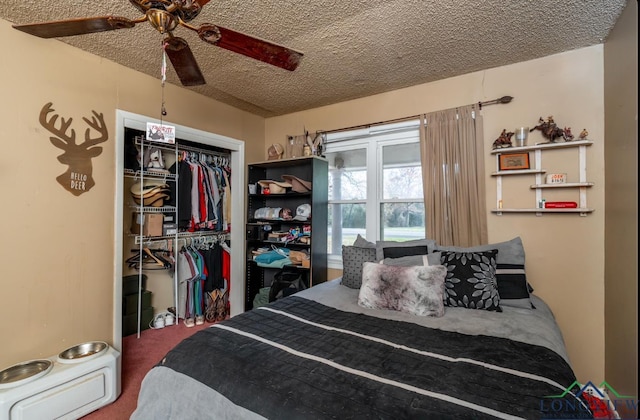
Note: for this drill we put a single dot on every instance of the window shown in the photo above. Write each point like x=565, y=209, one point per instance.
x=375, y=186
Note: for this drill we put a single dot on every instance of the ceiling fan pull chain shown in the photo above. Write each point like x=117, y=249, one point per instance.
x=163, y=72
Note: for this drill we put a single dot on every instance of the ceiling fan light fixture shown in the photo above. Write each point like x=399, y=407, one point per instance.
x=161, y=20
x=210, y=34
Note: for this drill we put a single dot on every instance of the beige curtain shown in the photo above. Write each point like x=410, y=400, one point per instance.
x=452, y=153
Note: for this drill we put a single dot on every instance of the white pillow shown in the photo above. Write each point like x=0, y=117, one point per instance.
x=418, y=290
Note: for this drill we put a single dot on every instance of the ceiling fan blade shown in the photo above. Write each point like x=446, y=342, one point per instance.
x=183, y=61
x=77, y=26
x=202, y=2
x=256, y=48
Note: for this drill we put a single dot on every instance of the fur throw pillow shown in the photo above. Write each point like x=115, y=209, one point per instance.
x=418, y=290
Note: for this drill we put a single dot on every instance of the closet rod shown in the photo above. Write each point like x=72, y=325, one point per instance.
x=218, y=235
x=196, y=240
x=140, y=140
x=204, y=151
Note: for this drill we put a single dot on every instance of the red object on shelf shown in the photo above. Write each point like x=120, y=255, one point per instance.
x=560, y=205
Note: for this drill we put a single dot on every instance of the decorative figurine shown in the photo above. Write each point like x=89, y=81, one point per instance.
x=315, y=143
x=583, y=134
x=551, y=131
x=568, y=136
x=504, y=140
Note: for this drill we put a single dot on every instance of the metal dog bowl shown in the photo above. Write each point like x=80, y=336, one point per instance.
x=24, y=372
x=83, y=352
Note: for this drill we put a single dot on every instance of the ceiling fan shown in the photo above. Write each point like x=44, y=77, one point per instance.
x=165, y=16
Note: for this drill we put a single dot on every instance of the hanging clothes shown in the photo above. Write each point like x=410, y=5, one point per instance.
x=203, y=199
x=226, y=204
x=226, y=272
x=182, y=201
x=213, y=258
x=187, y=274
x=202, y=195
x=213, y=192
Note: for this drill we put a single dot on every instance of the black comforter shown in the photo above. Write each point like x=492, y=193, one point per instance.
x=299, y=359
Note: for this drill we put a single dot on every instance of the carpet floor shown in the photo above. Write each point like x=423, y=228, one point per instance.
x=138, y=356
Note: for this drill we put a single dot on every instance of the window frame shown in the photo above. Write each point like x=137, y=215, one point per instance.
x=373, y=140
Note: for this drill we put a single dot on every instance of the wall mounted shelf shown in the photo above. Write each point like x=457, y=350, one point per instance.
x=540, y=185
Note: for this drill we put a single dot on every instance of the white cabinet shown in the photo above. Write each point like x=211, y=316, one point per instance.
x=538, y=172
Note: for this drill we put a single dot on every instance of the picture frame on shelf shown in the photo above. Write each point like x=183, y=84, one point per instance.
x=514, y=161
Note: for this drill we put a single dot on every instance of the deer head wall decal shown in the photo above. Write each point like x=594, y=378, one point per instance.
x=78, y=178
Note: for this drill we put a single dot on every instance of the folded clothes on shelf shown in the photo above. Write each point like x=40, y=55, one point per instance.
x=272, y=255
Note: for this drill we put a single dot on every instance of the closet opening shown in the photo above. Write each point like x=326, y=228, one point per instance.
x=130, y=240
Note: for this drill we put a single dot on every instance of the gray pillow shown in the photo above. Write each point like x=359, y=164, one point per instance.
x=393, y=249
x=363, y=243
x=509, y=252
x=418, y=290
x=428, y=259
x=510, y=272
x=352, y=259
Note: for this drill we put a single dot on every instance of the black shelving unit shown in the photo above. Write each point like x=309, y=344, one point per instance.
x=313, y=169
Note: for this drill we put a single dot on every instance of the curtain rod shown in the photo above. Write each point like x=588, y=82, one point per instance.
x=502, y=100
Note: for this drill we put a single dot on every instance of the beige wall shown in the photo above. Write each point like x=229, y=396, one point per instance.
x=565, y=252
x=621, y=222
x=57, y=252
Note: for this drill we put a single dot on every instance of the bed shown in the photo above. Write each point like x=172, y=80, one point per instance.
x=320, y=355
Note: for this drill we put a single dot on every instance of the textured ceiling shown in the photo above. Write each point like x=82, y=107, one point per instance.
x=351, y=48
